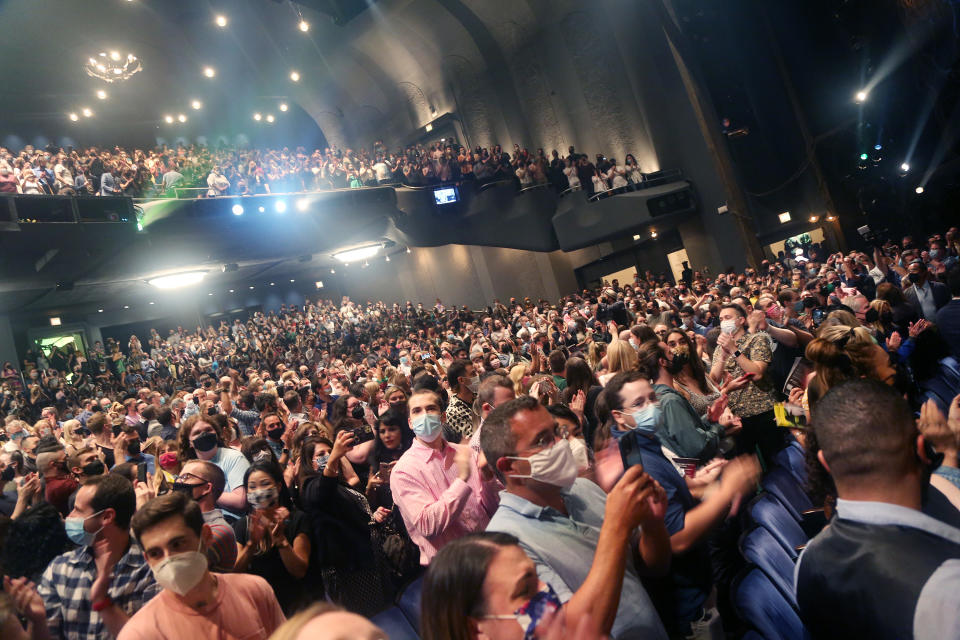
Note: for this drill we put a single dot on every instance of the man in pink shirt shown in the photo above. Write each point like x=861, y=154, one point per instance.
x=194, y=603
x=443, y=490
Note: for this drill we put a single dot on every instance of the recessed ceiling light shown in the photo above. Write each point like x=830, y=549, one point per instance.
x=262, y=209
x=295, y=76
x=168, y=119
x=99, y=310
x=319, y=284
x=271, y=284
x=230, y=290
x=292, y=280
x=209, y=72
x=280, y=206
x=270, y=117
x=304, y=26
x=388, y=258
x=221, y=20
x=101, y=94
x=87, y=112
x=283, y=106
x=333, y=270
x=74, y=117
x=115, y=55
x=196, y=104
x=302, y=204
x=152, y=303
x=251, y=287
x=257, y=117
x=55, y=321
x=210, y=294
x=182, y=118
x=126, y=306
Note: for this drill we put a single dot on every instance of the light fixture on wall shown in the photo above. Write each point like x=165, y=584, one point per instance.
x=55, y=321
x=428, y=128
x=177, y=280
x=784, y=217
x=360, y=253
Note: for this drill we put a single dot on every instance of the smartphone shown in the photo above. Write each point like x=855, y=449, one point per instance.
x=385, y=470
x=362, y=434
x=142, y=472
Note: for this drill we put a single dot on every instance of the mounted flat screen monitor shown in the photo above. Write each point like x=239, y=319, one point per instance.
x=446, y=195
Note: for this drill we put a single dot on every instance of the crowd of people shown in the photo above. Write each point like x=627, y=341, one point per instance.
x=570, y=468
x=200, y=171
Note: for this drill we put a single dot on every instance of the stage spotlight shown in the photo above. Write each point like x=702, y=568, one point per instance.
x=863, y=156
x=257, y=117
x=182, y=118
x=295, y=76
x=87, y=112
x=237, y=209
x=196, y=104
x=270, y=117
x=283, y=106
x=831, y=218
x=919, y=190
x=74, y=117
x=221, y=20
x=302, y=204
x=177, y=280
x=304, y=26
x=281, y=206
x=814, y=218
x=861, y=96
x=653, y=234
x=905, y=167
x=168, y=119
x=101, y=94
x=877, y=147
x=209, y=72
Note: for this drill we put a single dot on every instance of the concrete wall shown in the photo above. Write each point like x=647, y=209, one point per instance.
x=459, y=274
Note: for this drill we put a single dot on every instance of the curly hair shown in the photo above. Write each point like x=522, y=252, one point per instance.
x=186, y=449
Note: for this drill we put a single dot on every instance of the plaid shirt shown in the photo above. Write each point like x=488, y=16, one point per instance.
x=65, y=590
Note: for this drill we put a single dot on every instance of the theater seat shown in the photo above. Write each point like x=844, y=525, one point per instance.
x=759, y=547
x=781, y=483
x=395, y=624
x=761, y=605
x=409, y=602
x=769, y=513
x=792, y=459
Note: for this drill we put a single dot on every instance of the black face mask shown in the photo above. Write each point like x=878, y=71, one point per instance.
x=357, y=412
x=93, y=468
x=913, y=278
x=205, y=442
x=676, y=365
x=7, y=474
x=187, y=489
x=62, y=467
x=133, y=448
x=276, y=432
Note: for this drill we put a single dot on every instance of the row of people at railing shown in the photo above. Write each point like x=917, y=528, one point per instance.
x=200, y=171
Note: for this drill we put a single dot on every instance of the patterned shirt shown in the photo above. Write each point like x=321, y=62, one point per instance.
x=460, y=416
x=757, y=396
x=65, y=589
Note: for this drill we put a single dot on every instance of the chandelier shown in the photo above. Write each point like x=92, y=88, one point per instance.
x=113, y=67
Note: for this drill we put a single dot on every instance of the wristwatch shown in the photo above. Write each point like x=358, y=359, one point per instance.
x=737, y=354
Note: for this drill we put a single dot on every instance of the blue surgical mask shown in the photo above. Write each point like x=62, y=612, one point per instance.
x=77, y=533
x=647, y=419
x=427, y=426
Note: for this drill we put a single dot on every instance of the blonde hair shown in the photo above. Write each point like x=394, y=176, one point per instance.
x=516, y=374
x=620, y=356
x=291, y=629
x=881, y=307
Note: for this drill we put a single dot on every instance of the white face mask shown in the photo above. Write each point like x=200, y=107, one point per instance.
x=554, y=465
x=474, y=384
x=579, y=450
x=182, y=572
x=728, y=326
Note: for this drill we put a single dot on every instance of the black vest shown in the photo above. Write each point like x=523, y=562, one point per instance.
x=860, y=580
